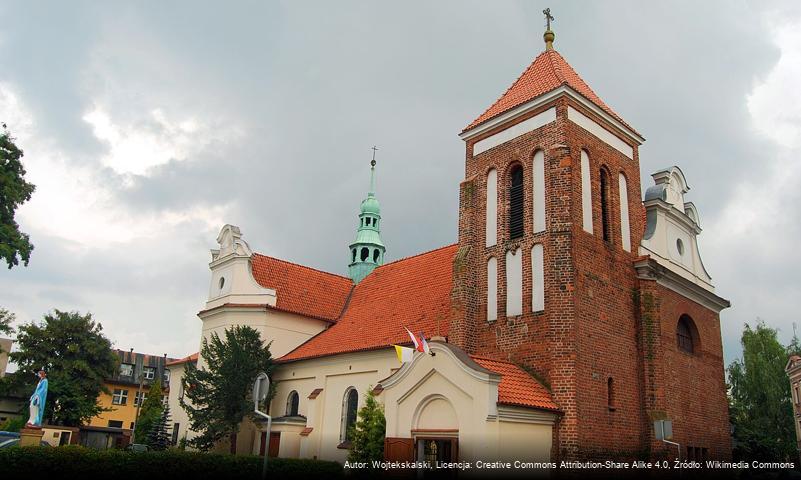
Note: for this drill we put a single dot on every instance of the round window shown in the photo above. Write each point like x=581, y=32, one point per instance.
x=222, y=282
x=680, y=246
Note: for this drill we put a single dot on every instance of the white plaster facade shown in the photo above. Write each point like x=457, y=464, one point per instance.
x=447, y=395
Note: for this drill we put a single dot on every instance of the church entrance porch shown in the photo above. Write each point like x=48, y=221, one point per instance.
x=448, y=407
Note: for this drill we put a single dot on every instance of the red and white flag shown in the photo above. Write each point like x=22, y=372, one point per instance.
x=417, y=344
x=425, y=346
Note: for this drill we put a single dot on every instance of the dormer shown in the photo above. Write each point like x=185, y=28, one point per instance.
x=672, y=227
x=232, y=275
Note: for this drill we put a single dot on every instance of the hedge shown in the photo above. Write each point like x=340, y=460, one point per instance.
x=75, y=461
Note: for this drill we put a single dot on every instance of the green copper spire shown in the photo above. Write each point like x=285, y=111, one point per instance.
x=367, y=252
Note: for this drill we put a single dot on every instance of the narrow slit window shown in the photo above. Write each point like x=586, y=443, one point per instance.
x=605, y=210
x=516, y=201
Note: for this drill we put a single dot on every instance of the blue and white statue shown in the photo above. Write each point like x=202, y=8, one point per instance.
x=38, y=399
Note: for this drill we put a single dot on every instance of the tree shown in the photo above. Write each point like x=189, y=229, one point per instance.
x=368, y=433
x=149, y=412
x=159, y=437
x=6, y=318
x=219, y=393
x=77, y=358
x=14, y=191
x=759, y=400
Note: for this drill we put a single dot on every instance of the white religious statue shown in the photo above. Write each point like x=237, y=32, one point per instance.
x=38, y=399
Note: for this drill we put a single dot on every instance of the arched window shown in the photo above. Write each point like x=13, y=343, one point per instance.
x=292, y=402
x=606, y=212
x=492, y=289
x=491, y=220
x=350, y=405
x=376, y=253
x=610, y=393
x=516, y=200
x=365, y=253
x=686, y=334
x=354, y=255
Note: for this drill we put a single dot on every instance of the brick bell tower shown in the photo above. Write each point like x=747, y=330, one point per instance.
x=549, y=223
x=562, y=268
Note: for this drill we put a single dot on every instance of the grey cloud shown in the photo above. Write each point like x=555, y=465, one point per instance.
x=314, y=86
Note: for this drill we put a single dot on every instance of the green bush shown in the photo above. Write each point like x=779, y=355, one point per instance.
x=79, y=462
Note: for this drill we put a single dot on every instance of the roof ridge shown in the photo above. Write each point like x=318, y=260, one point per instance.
x=301, y=265
x=418, y=254
x=556, y=70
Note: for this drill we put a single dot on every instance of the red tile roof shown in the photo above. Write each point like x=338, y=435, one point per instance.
x=517, y=387
x=190, y=358
x=302, y=290
x=547, y=72
x=413, y=292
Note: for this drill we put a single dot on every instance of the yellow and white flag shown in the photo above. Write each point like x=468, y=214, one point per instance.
x=405, y=354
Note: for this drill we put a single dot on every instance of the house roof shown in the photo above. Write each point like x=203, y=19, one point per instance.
x=413, y=292
x=517, y=386
x=547, y=72
x=187, y=359
x=302, y=290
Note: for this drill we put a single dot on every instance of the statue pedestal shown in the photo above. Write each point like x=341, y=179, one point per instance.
x=30, y=437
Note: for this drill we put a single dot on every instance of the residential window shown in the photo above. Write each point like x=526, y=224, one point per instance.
x=115, y=423
x=119, y=397
x=126, y=370
x=139, y=398
x=175, y=428
x=150, y=373
x=165, y=377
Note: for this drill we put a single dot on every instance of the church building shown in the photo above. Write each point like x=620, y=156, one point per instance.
x=572, y=313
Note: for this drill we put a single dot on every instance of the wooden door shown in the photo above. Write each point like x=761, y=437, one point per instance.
x=275, y=441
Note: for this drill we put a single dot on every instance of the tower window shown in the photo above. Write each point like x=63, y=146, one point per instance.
x=354, y=255
x=610, y=393
x=685, y=334
x=365, y=253
x=516, y=200
x=605, y=211
x=376, y=253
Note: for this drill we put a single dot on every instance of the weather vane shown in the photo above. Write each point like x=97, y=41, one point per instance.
x=372, y=162
x=548, y=18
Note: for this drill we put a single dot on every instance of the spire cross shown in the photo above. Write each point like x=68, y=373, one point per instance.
x=372, y=162
x=548, y=18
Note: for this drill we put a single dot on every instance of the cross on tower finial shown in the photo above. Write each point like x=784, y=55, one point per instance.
x=549, y=36
x=372, y=162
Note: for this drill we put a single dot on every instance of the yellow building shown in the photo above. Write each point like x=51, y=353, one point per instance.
x=127, y=389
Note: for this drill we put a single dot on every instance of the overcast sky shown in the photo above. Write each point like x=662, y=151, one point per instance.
x=146, y=126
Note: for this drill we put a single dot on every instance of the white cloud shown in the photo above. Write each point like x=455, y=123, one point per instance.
x=75, y=202
x=754, y=239
x=136, y=148
x=775, y=103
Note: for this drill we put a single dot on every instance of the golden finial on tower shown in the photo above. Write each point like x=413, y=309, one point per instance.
x=549, y=36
